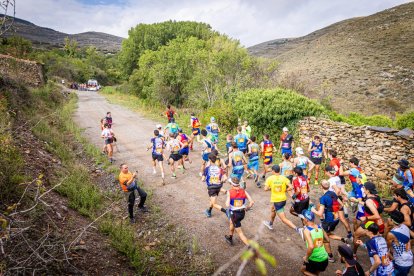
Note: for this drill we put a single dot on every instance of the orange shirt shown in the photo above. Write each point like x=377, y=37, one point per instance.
x=124, y=177
x=283, y=136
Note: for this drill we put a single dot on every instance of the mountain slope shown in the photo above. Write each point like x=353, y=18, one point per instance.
x=363, y=64
x=41, y=36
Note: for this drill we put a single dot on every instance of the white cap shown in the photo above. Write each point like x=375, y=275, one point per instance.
x=299, y=151
x=285, y=129
x=158, y=126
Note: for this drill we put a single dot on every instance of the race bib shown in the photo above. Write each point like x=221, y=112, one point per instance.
x=318, y=242
x=238, y=203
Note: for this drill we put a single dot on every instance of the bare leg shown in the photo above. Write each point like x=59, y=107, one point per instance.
x=242, y=236
x=283, y=218
x=357, y=236
x=344, y=221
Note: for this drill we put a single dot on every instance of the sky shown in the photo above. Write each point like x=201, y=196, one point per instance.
x=250, y=21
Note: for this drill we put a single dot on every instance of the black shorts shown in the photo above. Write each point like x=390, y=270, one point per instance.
x=342, y=178
x=157, y=157
x=314, y=267
x=214, y=191
x=176, y=156
x=244, y=151
x=316, y=161
x=300, y=206
x=329, y=227
x=237, y=217
x=109, y=141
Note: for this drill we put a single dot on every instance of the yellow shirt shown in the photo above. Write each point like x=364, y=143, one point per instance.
x=124, y=177
x=278, y=185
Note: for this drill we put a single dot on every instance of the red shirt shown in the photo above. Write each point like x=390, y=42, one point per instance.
x=301, y=183
x=170, y=113
x=335, y=162
x=283, y=136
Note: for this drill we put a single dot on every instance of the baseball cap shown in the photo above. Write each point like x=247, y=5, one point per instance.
x=285, y=129
x=347, y=254
x=158, y=126
x=330, y=169
x=234, y=181
x=307, y=214
x=404, y=163
x=371, y=187
x=299, y=150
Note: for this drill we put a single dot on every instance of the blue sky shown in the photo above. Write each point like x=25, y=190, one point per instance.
x=250, y=21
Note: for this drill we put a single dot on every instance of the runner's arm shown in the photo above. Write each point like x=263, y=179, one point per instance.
x=405, y=210
x=309, y=241
x=342, y=172
x=375, y=265
x=251, y=201
x=319, y=212
x=228, y=200
x=280, y=146
x=393, y=207
x=311, y=165
x=375, y=215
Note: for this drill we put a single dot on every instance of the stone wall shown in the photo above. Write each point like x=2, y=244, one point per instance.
x=378, y=149
x=21, y=71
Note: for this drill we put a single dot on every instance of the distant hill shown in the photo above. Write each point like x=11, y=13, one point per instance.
x=363, y=64
x=46, y=37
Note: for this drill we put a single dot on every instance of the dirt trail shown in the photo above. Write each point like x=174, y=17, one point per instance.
x=185, y=198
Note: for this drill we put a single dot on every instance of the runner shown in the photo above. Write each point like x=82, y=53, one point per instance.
x=184, y=151
x=336, y=187
x=207, y=146
x=279, y=185
x=267, y=149
x=170, y=114
x=402, y=204
x=237, y=163
x=407, y=174
x=253, y=165
x=286, y=142
x=219, y=162
x=354, y=173
x=335, y=163
x=171, y=128
x=301, y=192
x=377, y=248
x=229, y=140
x=398, y=240
x=316, y=259
x=128, y=183
x=241, y=140
x=317, y=153
x=214, y=177
x=213, y=130
x=103, y=122
x=236, y=202
x=286, y=167
x=108, y=119
x=352, y=266
x=157, y=145
x=160, y=131
x=303, y=162
x=174, y=146
x=246, y=129
x=109, y=137
x=328, y=212
x=372, y=209
x=195, y=129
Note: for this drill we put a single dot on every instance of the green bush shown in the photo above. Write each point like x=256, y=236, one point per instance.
x=357, y=119
x=405, y=120
x=267, y=110
x=224, y=113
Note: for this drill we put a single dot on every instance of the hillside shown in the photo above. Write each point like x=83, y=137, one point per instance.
x=46, y=37
x=360, y=60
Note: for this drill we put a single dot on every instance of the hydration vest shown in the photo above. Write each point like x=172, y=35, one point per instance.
x=241, y=141
x=195, y=122
x=254, y=155
x=213, y=177
x=237, y=162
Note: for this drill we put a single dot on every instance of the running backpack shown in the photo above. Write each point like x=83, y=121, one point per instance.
x=336, y=206
x=380, y=207
x=196, y=123
x=170, y=114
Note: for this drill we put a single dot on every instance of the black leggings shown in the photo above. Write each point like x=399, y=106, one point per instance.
x=131, y=200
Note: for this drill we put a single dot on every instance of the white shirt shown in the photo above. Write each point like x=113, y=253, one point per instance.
x=334, y=181
x=107, y=133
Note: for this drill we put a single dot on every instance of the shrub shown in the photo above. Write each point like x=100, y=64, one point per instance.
x=224, y=113
x=405, y=120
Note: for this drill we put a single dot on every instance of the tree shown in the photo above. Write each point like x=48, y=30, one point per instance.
x=8, y=12
x=71, y=47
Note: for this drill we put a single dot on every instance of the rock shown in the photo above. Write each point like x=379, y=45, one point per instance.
x=64, y=208
x=377, y=157
x=333, y=138
x=152, y=259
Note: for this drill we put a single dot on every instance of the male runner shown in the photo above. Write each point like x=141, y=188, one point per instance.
x=237, y=163
x=402, y=203
x=317, y=152
x=214, y=177
x=185, y=141
x=241, y=140
x=195, y=129
x=246, y=129
x=170, y=114
x=213, y=130
x=171, y=128
x=301, y=193
x=267, y=150
x=206, y=147
x=253, y=165
x=157, y=145
x=236, y=202
x=160, y=131
x=286, y=142
x=278, y=185
x=108, y=119
x=174, y=146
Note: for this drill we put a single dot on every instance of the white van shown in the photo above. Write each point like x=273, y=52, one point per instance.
x=92, y=85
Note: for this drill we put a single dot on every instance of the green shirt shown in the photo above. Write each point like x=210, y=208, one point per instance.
x=247, y=131
x=319, y=253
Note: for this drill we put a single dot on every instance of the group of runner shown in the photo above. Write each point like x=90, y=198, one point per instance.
x=388, y=242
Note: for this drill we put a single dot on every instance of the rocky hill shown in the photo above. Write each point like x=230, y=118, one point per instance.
x=363, y=64
x=45, y=37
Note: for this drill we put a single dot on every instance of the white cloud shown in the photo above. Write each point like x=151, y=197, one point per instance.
x=249, y=21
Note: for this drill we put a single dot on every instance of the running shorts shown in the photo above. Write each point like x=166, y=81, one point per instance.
x=279, y=206
x=157, y=157
x=205, y=156
x=243, y=150
x=315, y=267
x=214, y=191
x=184, y=151
x=316, y=161
x=268, y=160
x=176, y=156
x=286, y=151
x=196, y=131
x=254, y=165
x=300, y=206
x=236, y=217
x=109, y=141
x=329, y=226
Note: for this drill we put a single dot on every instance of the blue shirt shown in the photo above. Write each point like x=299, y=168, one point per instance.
x=326, y=200
x=157, y=145
x=378, y=246
x=241, y=141
x=408, y=177
x=213, y=175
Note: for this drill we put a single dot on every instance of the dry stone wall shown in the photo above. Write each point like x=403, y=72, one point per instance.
x=22, y=71
x=378, y=149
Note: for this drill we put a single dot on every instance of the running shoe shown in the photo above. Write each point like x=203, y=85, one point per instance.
x=349, y=241
x=143, y=209
x=349, y=235
x=258, y=184
x=154, y=172
x=200, y=174
x=207, y=212
x=331, y=259
x=132, y=220
x=268, y=224
x=173, y=176
x=300, y=231
x=263, y=176
x=229, y=239
x=248, y=175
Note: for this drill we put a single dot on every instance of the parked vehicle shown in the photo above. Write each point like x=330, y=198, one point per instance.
x=92, y=85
